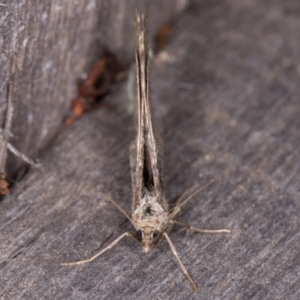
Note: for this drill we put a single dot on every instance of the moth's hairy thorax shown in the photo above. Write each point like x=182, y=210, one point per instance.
x=150, y=213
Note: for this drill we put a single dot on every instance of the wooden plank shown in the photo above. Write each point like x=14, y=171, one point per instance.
x=46, y=45
x=225, y=94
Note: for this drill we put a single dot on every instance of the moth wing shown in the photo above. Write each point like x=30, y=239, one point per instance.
x=136, y=155
x=147, y=147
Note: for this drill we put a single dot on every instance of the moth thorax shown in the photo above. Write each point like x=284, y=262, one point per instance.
x=148, y=235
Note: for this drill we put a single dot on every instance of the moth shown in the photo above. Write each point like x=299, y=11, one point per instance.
x=151, y=216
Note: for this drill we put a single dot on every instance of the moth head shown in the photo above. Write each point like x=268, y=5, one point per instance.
x=148, y=236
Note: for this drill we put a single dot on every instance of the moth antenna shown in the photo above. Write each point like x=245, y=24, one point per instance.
x=178, y=207
x=110, y=199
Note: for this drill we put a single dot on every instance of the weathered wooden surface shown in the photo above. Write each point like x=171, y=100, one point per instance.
x=226, y=98
x=46, y=45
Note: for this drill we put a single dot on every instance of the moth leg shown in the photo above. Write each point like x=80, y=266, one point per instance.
x=184, y=270
x=115, y=242
x=166, y=230
x=188, y=227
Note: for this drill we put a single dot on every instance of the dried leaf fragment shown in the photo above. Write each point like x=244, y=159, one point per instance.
x=91, y=90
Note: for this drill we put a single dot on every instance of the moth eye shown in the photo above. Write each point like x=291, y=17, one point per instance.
x=139, y=235
x=155, y=235
x=148, y=210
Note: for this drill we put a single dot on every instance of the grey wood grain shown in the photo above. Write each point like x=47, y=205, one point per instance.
x=225, y=94
x=46, y=45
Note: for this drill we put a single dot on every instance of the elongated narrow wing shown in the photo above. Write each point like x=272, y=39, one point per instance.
x=146, y=159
